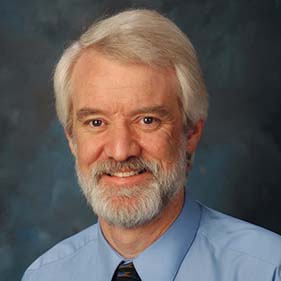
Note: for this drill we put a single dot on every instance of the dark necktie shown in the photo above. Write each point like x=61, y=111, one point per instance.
x=126, y=272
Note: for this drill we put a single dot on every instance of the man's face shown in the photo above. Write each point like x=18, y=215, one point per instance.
x=127, y=137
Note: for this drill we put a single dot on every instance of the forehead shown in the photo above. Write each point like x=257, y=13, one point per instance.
x=97, y=77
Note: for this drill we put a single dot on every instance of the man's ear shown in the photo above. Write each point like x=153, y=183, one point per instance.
x=194, y=135
x=71, y=142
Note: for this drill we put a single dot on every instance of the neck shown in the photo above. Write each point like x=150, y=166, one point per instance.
x=131, y=242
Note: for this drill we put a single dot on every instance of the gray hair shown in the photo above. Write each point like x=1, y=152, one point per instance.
x=141, y=36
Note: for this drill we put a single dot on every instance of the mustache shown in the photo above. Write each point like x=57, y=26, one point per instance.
x=111, y=166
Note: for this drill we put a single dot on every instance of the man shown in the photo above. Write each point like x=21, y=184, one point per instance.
x=132, y=101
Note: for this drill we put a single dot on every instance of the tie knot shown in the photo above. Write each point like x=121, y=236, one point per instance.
x=126, y=272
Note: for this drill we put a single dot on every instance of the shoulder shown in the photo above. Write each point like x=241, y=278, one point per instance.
x=66, y=249
x=229, y=234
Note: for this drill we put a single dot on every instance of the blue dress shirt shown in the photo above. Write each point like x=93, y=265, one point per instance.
x=201, y=245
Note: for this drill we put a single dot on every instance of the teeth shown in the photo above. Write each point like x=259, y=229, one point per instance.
x=125, y=174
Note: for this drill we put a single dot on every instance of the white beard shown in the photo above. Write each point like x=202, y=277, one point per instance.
x=132, y=206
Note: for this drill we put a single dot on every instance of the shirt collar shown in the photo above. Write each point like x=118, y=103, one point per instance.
x=163, y=258
x=108, y=259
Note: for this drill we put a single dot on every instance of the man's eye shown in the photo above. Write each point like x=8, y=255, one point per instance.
x=96, y=123
x=148, y=120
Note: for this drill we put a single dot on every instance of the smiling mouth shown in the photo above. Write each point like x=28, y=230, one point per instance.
x=126, y=174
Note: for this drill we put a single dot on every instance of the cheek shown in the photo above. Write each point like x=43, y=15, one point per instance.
x=162, y=147
x=88, y=151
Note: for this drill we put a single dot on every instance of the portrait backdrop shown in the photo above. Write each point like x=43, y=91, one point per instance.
x=237, y=165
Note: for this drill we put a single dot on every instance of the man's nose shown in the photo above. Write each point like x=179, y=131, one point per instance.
x=121, y=144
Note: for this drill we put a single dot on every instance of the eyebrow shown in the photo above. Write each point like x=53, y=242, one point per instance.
x=86, y=111
x=160, y=110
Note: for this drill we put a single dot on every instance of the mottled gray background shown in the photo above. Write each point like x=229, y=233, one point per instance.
x=237, y=169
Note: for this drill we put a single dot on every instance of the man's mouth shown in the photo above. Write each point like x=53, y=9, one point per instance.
x=126, y=173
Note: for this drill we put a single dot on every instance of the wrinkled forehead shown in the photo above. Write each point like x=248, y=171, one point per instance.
x=94, y=69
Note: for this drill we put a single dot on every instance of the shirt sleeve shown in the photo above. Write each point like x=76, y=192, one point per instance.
x=277, y=274
x=24, y=278
x=28, y=276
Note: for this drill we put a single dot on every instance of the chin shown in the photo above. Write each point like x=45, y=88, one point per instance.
x=128, y=211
